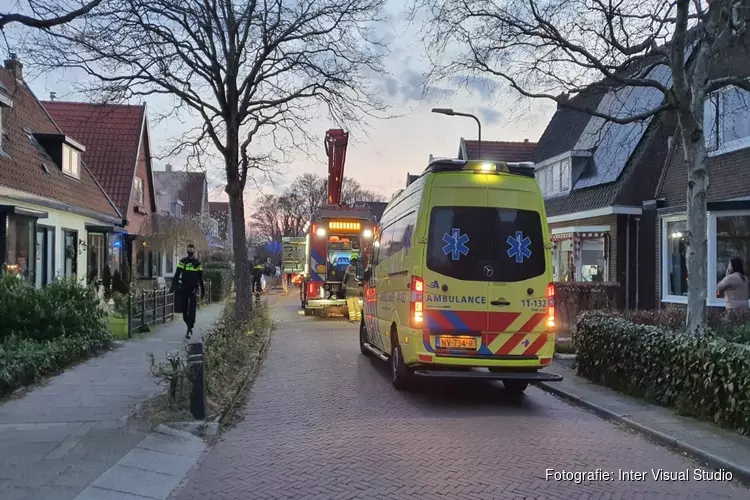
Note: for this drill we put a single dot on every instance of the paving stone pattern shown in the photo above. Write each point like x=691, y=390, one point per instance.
x=323, y=422
x=61, y=436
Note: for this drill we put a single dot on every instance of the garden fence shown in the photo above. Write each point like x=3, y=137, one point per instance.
x=148, y=308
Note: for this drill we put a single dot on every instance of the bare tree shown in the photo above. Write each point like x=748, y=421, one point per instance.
x=245, y=68
x=43, y=14
x=286, y=214
x=547, y=49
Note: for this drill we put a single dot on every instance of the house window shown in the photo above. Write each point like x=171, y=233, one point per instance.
x=548, y=181
x=169, y=265
x=97, y=256
x=732, y=239
x=138, y=188
x=45, y=256
x=115, y=253
x=19, y=236
x=1, y=128
x=674, y=273
x=562, y=258
x=726, y=120
x=71, y=161
x=70, y=253
x=593, y=260
x=565, y=176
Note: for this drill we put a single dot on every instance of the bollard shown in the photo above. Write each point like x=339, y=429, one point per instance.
x=197, y=375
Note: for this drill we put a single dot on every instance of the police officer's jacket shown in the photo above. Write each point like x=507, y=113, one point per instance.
x=190, y=273
x=257, y=272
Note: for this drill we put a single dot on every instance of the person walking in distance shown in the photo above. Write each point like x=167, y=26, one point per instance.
x=188, y=278
x=351, y=291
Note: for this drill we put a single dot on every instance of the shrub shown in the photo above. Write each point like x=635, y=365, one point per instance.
x=573, y=298
x=706, y=377
x=220, y=275
x=731, y=325
x=65, y=307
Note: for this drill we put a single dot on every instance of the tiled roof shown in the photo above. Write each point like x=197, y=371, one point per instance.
x=500, y=150
x=193, y=193
x=186, y=186
x=566, y=127
x=23, y=167
x=581, y=200
x=111, y=134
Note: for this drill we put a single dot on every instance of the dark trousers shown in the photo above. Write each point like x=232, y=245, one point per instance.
x=189, y=304
x=257, y=287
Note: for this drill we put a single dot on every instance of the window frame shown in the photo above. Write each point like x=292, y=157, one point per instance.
x=76, y=246
x=50, y=237
x=665, y=295
x=139, y=191
x=69, y=167
x=723, y=147
x=712, y=299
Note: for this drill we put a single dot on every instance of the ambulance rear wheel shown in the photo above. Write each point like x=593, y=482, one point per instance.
x=515, y=386
x=363, y=339
x=401, y=374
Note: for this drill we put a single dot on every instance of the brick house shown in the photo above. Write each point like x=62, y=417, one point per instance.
x=118, y=152
x=54, y=215
x=727, y=122
x=594, y=176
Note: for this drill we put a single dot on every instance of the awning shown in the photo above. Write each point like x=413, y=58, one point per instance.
x=592, y=235
x=25, y=212
x=562, y=236
x=99, y=228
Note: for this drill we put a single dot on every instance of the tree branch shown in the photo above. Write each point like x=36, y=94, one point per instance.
x=33, y=22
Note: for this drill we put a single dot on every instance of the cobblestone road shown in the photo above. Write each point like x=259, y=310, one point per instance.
x=323, y=422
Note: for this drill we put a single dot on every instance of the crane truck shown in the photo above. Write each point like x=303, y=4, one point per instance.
x=334, y=234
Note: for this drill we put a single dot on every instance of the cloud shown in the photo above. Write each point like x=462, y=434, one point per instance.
x=409, y=85
x=490, y=116
x=483, y=86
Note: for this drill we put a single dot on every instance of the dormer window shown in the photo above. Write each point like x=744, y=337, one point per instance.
x=71, y=161
x=555, y=179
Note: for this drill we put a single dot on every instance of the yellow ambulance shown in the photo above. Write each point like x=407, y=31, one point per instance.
x=461, y=279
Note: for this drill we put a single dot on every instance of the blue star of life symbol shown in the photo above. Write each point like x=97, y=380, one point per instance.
x=407, y=238
x=519, y=247
x=526, y=343
x=455, y=244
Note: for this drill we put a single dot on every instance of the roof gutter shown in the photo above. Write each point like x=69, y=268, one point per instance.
x=598, y=212
x=56, y=205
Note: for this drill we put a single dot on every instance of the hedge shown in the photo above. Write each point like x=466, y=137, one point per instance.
x=220, y=274
x=47, y=329
x=573, y=298
x=732, y=325
x=705, y=377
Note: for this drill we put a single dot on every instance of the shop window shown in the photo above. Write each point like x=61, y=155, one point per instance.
x=732, y=240
x=45, y=256
x=675, y=263
x=70, y=253
x=593, y=260
x=97, y=256
x=564, y=267
x=19, y=238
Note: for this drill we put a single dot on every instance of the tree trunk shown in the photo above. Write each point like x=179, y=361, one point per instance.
x=242, y=280
x=697, y=237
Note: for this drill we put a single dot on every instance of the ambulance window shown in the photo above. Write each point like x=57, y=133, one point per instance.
x=463, y=241
x=386, y=238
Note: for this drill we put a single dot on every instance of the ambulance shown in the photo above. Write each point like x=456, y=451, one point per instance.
x=460, y=284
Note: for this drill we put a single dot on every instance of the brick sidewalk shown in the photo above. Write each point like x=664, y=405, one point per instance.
x=60, y=437
x=718, y=447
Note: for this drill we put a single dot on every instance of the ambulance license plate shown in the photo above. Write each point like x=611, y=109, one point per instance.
x=456, y=342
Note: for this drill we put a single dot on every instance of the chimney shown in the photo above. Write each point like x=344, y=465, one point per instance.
x=562, y=98
x=52, y=96
x=168, y=167
x=14, y=66
x=526, y=140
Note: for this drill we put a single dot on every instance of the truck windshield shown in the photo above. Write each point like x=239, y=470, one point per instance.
x=340, y=251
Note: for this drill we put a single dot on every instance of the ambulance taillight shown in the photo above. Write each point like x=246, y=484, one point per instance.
x=416, y=302
x=551, y=305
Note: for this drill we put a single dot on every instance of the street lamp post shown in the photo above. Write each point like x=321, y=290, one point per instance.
x=450, y=112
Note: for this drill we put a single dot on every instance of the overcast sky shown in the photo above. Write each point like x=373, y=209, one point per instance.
x=393, y=147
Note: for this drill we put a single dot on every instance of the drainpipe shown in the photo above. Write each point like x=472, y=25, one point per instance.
x=637, y=259
x=627, y=264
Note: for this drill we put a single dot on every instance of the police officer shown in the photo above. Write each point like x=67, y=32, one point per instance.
x=189, y=277
x=257, y=275
x=351, y=291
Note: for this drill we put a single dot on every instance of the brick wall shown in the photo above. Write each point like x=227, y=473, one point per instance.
x=136, y=220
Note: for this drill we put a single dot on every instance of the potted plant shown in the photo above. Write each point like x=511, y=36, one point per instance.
x=118, y=315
